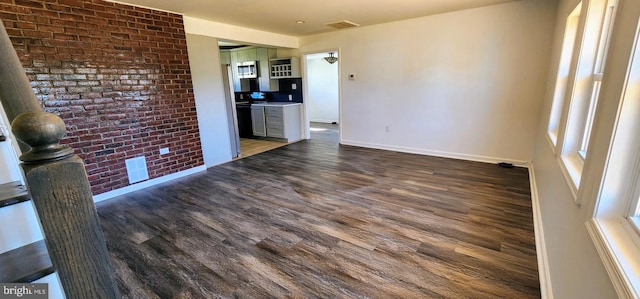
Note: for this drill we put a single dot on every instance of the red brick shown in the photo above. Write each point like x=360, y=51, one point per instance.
x=71, y=17
x=71, y=2
x=59, y=8
x=63, y=23
x=35, y=34
x=7, y=17
x=63, y=36
x=95, y=7
x=29, y=3
x=76, y=31
x=48, y=28
x=108, y=76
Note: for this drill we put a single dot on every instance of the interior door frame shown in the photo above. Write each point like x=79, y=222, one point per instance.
x=305, y=70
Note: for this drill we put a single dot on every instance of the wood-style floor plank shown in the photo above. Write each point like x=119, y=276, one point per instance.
x=252, y=146
x=315, y=219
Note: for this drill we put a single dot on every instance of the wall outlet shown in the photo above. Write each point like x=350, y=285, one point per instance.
x=164, y=151
x=294, y=86
x=290, y=98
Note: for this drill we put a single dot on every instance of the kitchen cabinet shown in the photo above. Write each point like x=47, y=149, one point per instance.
x=233, y=56
x=247, y=55
x=238, y=56
x=225, y=57
x=281, y=120
x=264, y=56
x=258, y=121
x=264, y=81
x=284, y=68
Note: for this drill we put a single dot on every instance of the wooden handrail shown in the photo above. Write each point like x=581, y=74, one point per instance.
x=58, y=184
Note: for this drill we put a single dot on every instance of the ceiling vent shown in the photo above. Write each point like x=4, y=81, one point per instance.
x=342, y=24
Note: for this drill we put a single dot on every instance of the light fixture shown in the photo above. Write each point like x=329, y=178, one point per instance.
x=331, y=59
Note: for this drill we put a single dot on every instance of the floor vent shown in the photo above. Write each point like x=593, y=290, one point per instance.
x=342, y=24
x=137, y=169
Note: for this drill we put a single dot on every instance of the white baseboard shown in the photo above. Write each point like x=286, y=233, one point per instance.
x=324, y=121
x=138, y=186
x=546, y=290
x=475, y=158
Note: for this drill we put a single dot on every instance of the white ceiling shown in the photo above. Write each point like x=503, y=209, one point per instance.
x=280, y=16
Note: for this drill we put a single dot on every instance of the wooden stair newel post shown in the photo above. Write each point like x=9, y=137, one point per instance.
x=58, y=184
x=62, y=196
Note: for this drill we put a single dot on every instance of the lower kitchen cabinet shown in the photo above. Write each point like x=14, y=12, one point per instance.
x=258, y=121
x=279, y=121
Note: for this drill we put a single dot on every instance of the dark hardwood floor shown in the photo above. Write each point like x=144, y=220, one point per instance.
x=317, y=220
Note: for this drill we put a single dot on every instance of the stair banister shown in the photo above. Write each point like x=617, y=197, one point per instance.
x=58, y=184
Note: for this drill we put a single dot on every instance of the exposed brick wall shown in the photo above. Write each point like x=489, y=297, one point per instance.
x=117, y=75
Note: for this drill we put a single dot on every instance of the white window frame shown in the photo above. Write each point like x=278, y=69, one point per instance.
x=590, y=50
x=614, y=226
x=633, y=215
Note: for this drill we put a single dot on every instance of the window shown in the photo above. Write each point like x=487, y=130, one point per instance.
x=615, y=226
x=598, y=73
x=589, y=65
x=562, y=79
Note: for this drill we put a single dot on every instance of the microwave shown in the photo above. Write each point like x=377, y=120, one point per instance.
x=248, y=69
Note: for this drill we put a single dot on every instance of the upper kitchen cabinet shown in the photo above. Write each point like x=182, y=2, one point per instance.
x=270, y=68
x=225, y=57
x=281, y=68
x=233, y=56
x=266, y=83
x=250, y=54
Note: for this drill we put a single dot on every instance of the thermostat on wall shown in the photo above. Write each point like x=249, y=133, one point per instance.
x=352, y=76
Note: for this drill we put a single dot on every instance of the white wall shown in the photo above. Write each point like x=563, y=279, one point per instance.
x=322, y=89
x=466, y=84
x=575, y=266
x=208, y=89
x=9, y=169
x=9, y=163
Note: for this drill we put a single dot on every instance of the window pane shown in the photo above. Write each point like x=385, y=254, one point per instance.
x=562, y=78
x=589, y=121
x=607, y=26
x=603, y=46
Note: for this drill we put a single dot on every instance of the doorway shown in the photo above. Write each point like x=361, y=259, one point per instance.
x=239, y=94
x=323, y=91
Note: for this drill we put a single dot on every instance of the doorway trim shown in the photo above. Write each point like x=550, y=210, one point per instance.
x=305, y=78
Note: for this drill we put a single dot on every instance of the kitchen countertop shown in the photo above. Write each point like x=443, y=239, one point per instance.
x=275, y=104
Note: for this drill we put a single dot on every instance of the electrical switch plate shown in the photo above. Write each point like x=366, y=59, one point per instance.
x=294, y=86
x=352, y=76
x=290, y=97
